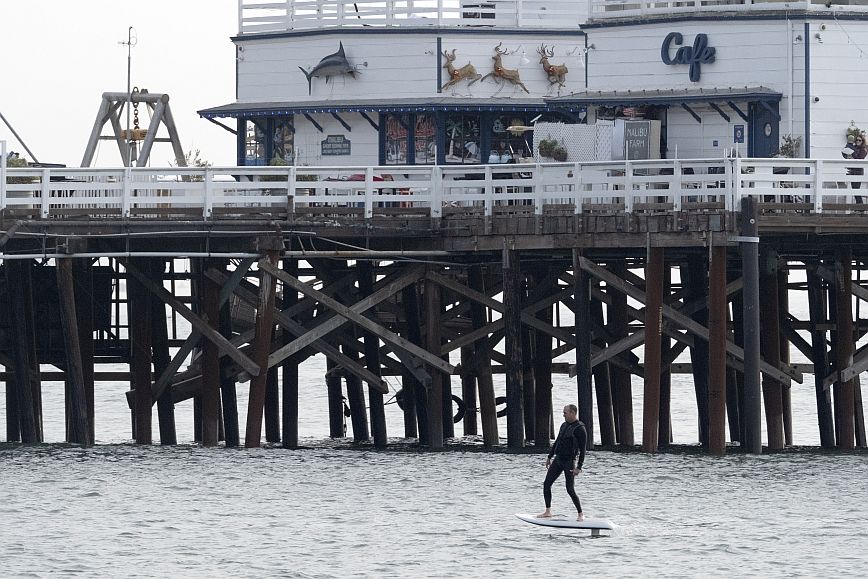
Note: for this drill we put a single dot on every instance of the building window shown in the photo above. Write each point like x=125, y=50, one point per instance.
x=396, y=139
x=284, y=140
x=425, y=139
x=462, y=138
x=254, y=142
x=509, y=146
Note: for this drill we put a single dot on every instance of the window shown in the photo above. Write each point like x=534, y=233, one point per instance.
x=462, y=138
x=284, y=134
x=254, y=143
x=425, y=138
x=397, y=137
x=509, y=146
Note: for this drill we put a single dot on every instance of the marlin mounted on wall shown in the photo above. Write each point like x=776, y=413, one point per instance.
x=331, y=65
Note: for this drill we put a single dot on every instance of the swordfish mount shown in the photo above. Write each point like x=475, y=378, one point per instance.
x=456, y=75
x=334, y=64
x=508, y=74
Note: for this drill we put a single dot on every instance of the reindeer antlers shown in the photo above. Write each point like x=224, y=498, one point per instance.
x=450, y=57
x=543, y=51
x=498, y=50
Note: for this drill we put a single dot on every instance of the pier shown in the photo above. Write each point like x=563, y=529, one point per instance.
x=432, y=274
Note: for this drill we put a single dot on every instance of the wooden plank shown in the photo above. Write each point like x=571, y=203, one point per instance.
x=353, y=314
x=202, y=326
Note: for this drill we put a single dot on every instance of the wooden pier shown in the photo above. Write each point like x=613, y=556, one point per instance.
x=450, y=271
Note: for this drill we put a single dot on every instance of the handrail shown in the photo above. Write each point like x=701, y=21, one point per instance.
x=793, y=185
x=607, y=9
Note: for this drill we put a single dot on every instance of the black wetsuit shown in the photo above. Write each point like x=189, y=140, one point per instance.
x=571, y=442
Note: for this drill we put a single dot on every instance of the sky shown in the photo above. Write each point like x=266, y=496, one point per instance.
x=59, y=56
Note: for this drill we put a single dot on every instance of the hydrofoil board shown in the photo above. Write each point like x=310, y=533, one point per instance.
x=568, y=522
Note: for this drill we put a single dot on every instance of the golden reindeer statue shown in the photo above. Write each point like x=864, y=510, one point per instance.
x=556, y=72
x=458, y=74
x=511, y=75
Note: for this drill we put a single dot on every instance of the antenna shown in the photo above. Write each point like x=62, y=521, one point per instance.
x=131, y=41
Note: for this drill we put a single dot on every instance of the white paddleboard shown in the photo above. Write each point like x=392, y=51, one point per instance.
x=567, y=522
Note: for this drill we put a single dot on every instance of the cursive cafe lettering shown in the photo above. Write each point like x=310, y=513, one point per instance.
x=696, y=55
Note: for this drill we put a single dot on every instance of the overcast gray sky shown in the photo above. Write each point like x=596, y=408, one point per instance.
x=59, y=56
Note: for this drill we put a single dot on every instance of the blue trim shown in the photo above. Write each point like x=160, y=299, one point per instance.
x=439, y=64
x=738, y=111
x=370, y=120
x=343, y=122
x=639, y=98
x=693, y=113
x=807, y=90
x=773, y=112
x=720, y=111
x=422, y=108
x=313, y=122
x=240, y=151
x=433, y=30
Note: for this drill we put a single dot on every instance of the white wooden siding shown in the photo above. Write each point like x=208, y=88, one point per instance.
x=364, y=140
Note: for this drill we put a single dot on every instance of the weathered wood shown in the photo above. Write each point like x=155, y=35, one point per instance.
x=696, y=281
x=261, y=347
x=161, y=358
x=512, y=348
x=752, y=405
x=484, y=378
x=622, y=391
x=415, y=397
x=372, y=361
x=653, y=335
x=432, y=341
x=228, y=394
x=81, y=432
x=358, y=410
x=582, y=314
x=770, y=348
x=337, y=421
x=27, y=380
x=664, y=423
x=83, y=279
x=272, y=405
x=207, y=332
x=717, y=308
x=468, y=390
x=289, y=369
x=210, y=391
x=140, y=346
x=843, y=393
x=542, y=373
x=784, y=349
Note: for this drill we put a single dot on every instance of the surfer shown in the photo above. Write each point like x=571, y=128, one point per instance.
x=571, y=442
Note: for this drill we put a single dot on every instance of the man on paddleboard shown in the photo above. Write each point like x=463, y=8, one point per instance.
x=571, y=442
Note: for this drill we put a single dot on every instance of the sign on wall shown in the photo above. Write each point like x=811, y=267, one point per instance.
x=335, y=145
x=637, y=139
x=697, y=55
x=738, y=134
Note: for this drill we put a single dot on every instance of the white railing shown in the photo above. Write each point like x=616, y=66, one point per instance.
x=603, y=9
x=790, y=185
x=279, y=16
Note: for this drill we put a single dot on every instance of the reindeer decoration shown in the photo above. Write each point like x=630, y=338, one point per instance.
x=511, y=75
x=458, y=74
x=556, y=72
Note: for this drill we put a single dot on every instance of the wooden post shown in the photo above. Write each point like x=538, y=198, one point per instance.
x=272, y=405
x=583, y=326
x=27, y=380
x=622, y=389
x=484, y=378
x=413, y=393
x=140, y=344
x=843, y=394
x=468, y=390
x=542, y=370
x=337, y=422
x=512, y=350
x=162, y=359
x=528, y=386
x=196, y=290
x=75, y=373
x=261, y=349
x=770, y=344
x=432, y=344
x=83, y=278
x=717, y=307
x=13, y=430
x=356, y=399
x=653, y=335
x=697, y=284
x=664, y=424
x=784, y=348
x=372, y=360
x=210, y=391
x=290, y=368
x=603, y=384
x=752, y=415
x=734, y=378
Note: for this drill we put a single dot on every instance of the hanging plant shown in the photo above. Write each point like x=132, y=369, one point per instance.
x=547, y=146
x=559, y=154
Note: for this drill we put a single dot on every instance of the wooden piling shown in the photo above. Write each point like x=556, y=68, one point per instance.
x=140, y=346
x=272, y=404
x=664, y=424
x=770, y=347
x=83, y=278
x=81, y=432
x=372, y=361
x=528, y=386
x=27, y=380
x=337, y=423
x=468, y=390
x=289, y=369
x=717, y=330
x=413, y=391
x=784, y=349
x=734, y=378
x=582, y=330
x=603, y=383
x=484, y=377
x=542, y=372
x=843, y=394
x=622, y=389
x=512, y=349
x=356, y=400
x=697, y=284
x=653, y=335
x=162, y=358
x=210, y=391
x=752, y=405
x=432, y=343
x=261, y=350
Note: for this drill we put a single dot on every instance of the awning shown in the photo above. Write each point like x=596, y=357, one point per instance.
x=236, y=110
x=668, y=96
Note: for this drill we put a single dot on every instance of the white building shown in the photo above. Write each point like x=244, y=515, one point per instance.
x=718, y=76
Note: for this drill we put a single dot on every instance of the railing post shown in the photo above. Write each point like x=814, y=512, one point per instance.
x=677, y=184
x=736, y=183
x=436, y=192
x=208, y=205
x=818, y=186
x=489, y=190
x=728, y=203
x=579, y=196
x=2, y=175
x=289, y=15
x=127, y=192
x=240, y=16
x=46, y=193
x=369, y=192
x=290, y=191
x=628, y=187
x=519, y=9
x=538, y=193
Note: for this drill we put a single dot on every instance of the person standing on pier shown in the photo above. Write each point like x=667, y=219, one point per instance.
x=570, y=443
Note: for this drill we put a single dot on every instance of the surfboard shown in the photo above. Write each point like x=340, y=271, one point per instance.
x=568, y=522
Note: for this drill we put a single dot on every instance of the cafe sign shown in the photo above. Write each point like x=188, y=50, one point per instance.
x=335, y=145
x=698, y=54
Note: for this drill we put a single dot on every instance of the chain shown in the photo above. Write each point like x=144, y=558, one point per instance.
x=136, y=111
